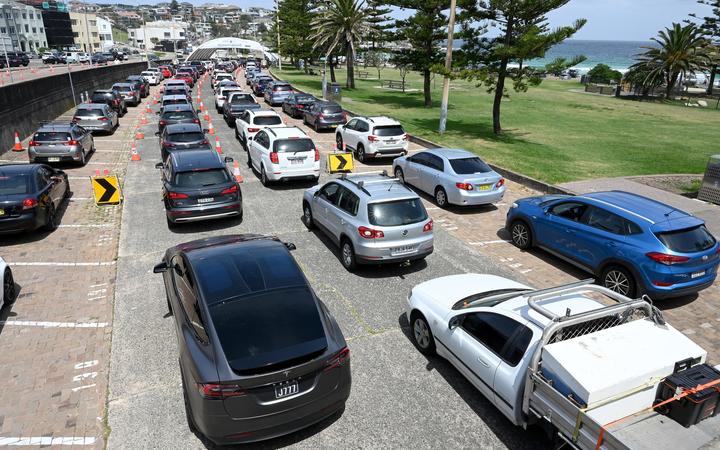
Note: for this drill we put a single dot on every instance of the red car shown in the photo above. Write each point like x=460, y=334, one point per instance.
x=167, y=73
x=186, y=78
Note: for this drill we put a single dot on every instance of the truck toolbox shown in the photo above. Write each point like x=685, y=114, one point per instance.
x=695, y=407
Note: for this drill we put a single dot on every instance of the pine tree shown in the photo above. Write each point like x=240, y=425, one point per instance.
x=710, y=26
x=378, y=17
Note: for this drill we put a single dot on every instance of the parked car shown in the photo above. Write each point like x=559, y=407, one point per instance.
x=96, y=117
x=632, y=244
x=250, y=122
x=221, y=76
x=110, y=97
x=140, y=83
x=177, y=114
x=222, y=94
x=197, y=185
x=16, y=59
x=323, y=115
x=53, y=58
x=261, y=83
x=276, y=92
x=236, y=104
x=187, y=71
x=99, y=59
x=109, y=56
x=77, y=57
x=31, y=196
x=167, y=71
x=174, y=83
x=372, y=218
x=372, y=137
x=451, y=176
x=282, y=154
x=56, y=142
x=153, y=78
x=260, y=354
x=155, y=70
x=186, y=77
x=129, y=92
x=295, y=104
x=182, y=136
x=8, y=295
x=181, y=99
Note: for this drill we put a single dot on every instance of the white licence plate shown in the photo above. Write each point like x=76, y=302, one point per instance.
x=205, y=200
x=390, y=142
x=405, y=249
x=295, y=161
x=697, y=274
x=286, y=389
x=54, y=159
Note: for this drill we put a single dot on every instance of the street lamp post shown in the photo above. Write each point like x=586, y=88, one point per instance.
x=277, y=23
x=448, y=66
x=7, y=60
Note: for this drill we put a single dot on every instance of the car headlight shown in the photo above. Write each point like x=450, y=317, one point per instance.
x=514, y=205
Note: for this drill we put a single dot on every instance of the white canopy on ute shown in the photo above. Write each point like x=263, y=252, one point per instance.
x=207, y=49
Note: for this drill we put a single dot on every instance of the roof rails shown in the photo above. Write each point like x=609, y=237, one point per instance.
x=361, y=183
x=44, y=123
x=579, y=286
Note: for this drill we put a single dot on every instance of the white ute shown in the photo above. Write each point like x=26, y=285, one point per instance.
x=582, y=361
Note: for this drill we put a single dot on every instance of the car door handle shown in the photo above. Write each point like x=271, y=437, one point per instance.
x=610, y=244
x=481, y=361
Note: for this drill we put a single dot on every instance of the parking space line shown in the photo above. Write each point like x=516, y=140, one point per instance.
x=80, y=388
x=87, y=225
x=69, y=264
x=41, y=324
x=78, y=199
x=45, y=440
x=483, y=243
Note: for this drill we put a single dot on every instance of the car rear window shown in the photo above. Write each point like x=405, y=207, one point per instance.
x=175, y=92
x=332, y=109
x=89, y=112
x=305, y=98
x=178, y=115
x=15, y=184
x=101, y=98
x=242, y=98
x=389, y=130
x=122, y=88
x=688, y=240
x=396, y=213
x=283, y=87
x=201, y=178
x=267, y=120
x=293, y=145
x=175, y=101
x=51, y=136
x=186, y=137
x=465, y=166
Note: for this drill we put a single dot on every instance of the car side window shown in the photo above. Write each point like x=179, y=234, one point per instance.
x=420, y=158
x=352, y=124
x=260, y=139
x=606, y=221
x=186, y=290
x=41, y=178
x=436, y=162
x=497, y=333
x=348, y=201
x=569, y=210
x=330, y=193
x=362, y=126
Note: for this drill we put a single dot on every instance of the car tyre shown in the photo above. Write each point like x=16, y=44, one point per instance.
x=308, y=216
x=441, y=197
x=347, y=255
x=619, y=279
x=170, y=224
x=51, y=219
x=399, y=175
x=188, y=410
x=520, y=235
x=421, y=334
x=83, y=159
x=263, y=176
x=9, y=293
x=360, y=153
x=339, y=141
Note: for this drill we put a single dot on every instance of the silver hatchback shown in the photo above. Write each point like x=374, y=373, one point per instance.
x=61, y=142
x=96, y=117
x=372, y=218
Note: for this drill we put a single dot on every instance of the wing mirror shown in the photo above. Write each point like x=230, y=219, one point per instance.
x=159, y=165
x=455, y=322
x=198, y=111
x=160, y=268
x=157, y=133
x=56, y=178
x=205, y=130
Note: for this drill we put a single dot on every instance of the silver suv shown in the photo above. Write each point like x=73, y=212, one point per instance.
x=96, y=117
x=373, y=218
x=61, y=142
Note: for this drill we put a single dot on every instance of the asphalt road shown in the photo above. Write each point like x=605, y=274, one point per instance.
x=399, y=398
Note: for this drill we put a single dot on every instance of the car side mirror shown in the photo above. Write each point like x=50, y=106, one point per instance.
x=455, y=322
x=157, y=133
x=160, y=268
x=316, y=194
x=546, y=211
x=290, y=245
x=205, y=130
x=229, y=159
x=56, y=178
x=198, y=111
x=159, y=165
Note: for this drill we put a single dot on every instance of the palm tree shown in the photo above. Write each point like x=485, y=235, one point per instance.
x=341, y=23
x=680, y=50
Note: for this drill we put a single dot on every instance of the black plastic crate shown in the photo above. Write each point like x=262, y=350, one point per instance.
x=695, y=407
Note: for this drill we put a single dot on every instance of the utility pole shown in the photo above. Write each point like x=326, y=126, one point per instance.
x=7, y=60
x=277, y=23
x=448, y=66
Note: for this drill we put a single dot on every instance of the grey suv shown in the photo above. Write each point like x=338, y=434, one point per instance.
x=96, y=117
x=373, y=218
x=61, y=142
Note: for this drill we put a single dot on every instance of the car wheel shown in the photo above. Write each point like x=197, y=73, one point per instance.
x=521, y=235
x=339, y=141
x=8, y=287
x=421, y=335
x=618, y=279
x=399, y=175
x=305, y=122
x=307, y=216
x=441, y=197
x=167, y=299
x=315, y=126
x=263, y=176
x=347, y=255
x=188, y=411
x=170, y=224
x=360, y=153
x=83, y=159
x=51, y=219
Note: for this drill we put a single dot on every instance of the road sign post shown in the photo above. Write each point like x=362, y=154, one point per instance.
x=106, y=190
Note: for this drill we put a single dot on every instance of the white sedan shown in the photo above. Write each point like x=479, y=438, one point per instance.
x=152, y=77
x=8, y=294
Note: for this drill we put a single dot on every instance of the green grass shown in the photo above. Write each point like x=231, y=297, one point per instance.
x=120, y=35
x=550, y=132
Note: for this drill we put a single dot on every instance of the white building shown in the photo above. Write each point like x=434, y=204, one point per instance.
x=21, y=27
x=104, y=27
x=162, y=30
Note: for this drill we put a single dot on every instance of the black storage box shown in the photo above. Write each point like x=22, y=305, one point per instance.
x=692, y=408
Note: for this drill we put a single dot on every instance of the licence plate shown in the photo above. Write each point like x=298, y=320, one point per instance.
x=286, y=389
x=54, y=159
x=484, y=187
x=333, y=125
x=297, y=161
x=697, y=274
x=390, y=142
x=402, y=250
x=205, y=200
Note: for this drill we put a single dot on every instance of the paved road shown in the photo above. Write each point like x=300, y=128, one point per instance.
x=399, y=397
x=36, y=69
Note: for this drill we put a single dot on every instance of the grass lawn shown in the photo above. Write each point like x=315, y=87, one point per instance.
x=550, y=132
x=120, y=35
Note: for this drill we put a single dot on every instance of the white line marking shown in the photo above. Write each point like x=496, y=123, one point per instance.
x=498, y=241
x=45, y=440
x=450, y=228
x=77, y=199
x=80, y=388
x=86, y=364
x=100, y=163
x=33, y=323
x=515, y=266
x=87, y=225
x=526, y=271
x=70, y=264
x=98, y=285
x=97, y=298
x=84, y=376
x=79, y=178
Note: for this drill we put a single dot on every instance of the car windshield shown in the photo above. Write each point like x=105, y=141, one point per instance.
x=688, y=240
x=148, y=74
x=389, y=130
x=178, y=115
x=267, y=120
x=51, y=136
x=186, y=137
x=242, y=98
x=89, y=112
x=14, y=184
x=201, y=178
x=122, y=88
x=395, y=213
x=465, y=166
x=331, y=109
x=294, y=145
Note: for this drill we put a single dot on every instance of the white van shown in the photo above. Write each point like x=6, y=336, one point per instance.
x=77, y=57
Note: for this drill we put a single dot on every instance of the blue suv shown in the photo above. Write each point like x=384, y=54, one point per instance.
x=632, y=244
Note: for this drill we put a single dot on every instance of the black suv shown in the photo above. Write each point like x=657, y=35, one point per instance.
x=16, y=59
x=112, y=98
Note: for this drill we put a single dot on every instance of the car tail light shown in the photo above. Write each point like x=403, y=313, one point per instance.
x=300, y=106
x=464, y=186
x=162, y=122
x=33, y=144
x=666, y=259
x=373, y=138
x=274, y=158
x=345, y=117
x=176, y=195
x=205, y=141
x=211, y=390
x=253, y=130
x=75, y=119
x=500, y=183
x=71, y=142
x=230, y=190
x=405, y=137
x=102, y=119
x=321, y=116
x=317, y=155
x=428, y=226
x=369, y=233
x=196, y=120
x=338, y=359
x=29, y=203
x=662, y=283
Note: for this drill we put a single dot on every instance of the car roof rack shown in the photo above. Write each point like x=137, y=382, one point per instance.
x=362, y=183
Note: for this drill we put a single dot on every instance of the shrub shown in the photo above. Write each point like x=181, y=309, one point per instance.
x=602, y=73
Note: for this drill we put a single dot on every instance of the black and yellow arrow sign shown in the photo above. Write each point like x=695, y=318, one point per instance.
x=340, y=162
x=106, y=190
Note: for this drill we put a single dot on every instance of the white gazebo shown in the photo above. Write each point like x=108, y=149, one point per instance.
x=205, y=50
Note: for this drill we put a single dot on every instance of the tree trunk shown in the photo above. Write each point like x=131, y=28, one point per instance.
x=332, y=70
x=350, y=83
x=670, y=80
x=713, y=72
x=426, y=88
x=499, y=89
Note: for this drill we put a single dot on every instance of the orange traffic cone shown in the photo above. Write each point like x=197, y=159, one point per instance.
x=135, y=155
x=155, y=100
x=147, y=108
x=138, y=133
x=217, y=145
x=236, y=173
x=18, y=146
x=206, y=116
x=143, y=120
x=202, y=107
x=211, y=128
